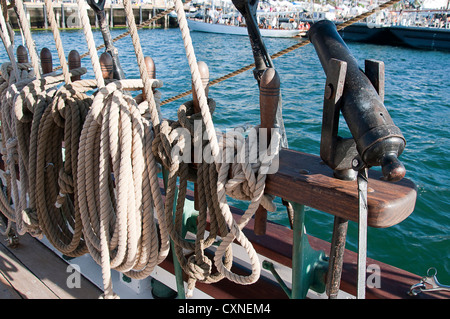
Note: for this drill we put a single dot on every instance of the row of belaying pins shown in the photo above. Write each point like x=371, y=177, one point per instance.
x=107, y=68
x=74, y=62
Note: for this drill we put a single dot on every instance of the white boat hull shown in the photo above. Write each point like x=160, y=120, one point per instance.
x=229, y=29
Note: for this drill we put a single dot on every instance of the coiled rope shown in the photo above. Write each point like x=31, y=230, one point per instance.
x=119, y=223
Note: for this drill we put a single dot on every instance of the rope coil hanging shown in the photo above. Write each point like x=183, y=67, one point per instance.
x=119, y=224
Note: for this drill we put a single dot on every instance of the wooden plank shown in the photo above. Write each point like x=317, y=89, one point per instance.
x=304, y=179
x=7, y=290
x=23, y=281
x=51, y=270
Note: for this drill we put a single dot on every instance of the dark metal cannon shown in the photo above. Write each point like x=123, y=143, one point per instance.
x=354, y=93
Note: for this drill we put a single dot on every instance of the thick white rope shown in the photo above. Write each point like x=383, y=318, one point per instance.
x=257, y=184
x=196, y=79
x=58, y=42
x=90, y=42
x=119, y=224
x=25, y=24
x=8, y=45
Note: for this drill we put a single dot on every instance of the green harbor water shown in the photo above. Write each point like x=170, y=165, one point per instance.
x=417, y=97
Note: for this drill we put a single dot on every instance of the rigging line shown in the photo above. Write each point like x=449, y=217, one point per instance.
x=287, y=50
x=127, y=33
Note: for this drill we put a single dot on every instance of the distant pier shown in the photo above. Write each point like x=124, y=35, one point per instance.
x=67, y=15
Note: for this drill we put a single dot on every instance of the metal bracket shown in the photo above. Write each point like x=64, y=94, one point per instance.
x=341, y=155
x=309, y=266
x=337, y=152
x=99, y=9
x=431, y=280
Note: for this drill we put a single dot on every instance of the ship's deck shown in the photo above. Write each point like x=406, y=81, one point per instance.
x=32, y=271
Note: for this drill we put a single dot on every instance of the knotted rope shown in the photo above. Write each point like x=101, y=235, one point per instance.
x=198, y=266
x=255, y=183
x=250, y=180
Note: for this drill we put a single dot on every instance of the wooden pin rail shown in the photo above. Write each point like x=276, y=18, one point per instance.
x=305, y=179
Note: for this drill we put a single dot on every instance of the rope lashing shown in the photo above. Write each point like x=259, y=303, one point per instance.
x=254, y=176
x=197, y=266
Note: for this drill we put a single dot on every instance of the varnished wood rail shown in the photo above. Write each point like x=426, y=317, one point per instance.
x=305, y=179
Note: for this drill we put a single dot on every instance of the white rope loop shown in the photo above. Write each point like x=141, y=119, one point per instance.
x=58, y=42
x=119, y=225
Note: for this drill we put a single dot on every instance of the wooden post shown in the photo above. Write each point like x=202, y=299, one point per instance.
x=151, y=71
x=112, y=16
x=46, y=61
x=22, y=54
x=63, y=17
x=74, y=62
x=106, y=65
x=153, y=14
x=45, y=17
x=269, y=95
x=204, y=75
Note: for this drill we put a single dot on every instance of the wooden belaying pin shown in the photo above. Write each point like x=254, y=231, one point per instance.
x=151, y=71
x=106, y=65
x=74, y=62
x=204, y=75
x=269, y=94
x=22, y=54
x=46, y=61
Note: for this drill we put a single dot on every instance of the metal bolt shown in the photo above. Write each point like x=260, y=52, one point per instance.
x=329, y=91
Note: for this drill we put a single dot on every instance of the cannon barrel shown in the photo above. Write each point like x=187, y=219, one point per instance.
x=378, y=140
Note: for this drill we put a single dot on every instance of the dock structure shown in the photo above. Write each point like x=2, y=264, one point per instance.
x=67, y=15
